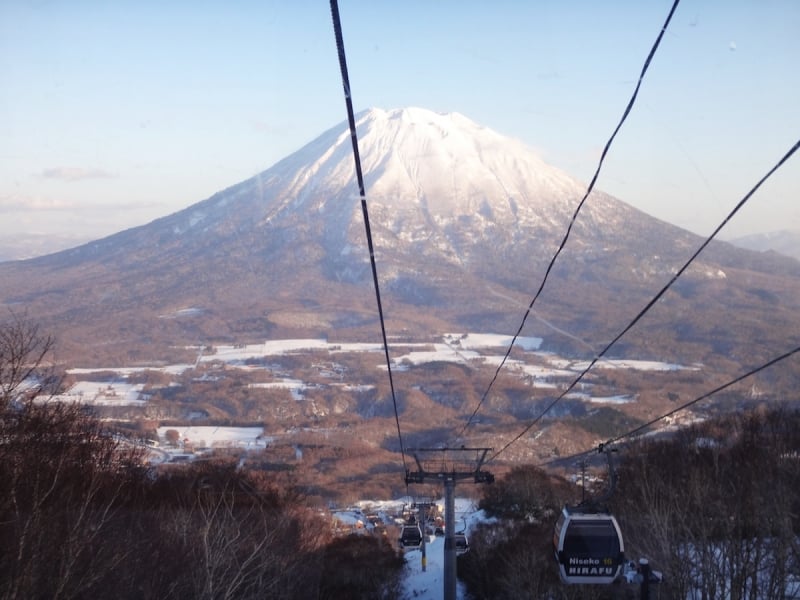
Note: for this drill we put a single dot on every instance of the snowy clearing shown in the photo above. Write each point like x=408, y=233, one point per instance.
x=218, y=437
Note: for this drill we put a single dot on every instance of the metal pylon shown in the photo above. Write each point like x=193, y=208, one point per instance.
x=447, y=466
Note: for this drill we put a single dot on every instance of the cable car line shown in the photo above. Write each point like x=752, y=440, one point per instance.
x=775, y=360
x=655, y=298
x=589, y=190
x=588, y=543
x=337, y=28
x=587, y=540
x=360, y=181
x=708, y=394
x=588, y=546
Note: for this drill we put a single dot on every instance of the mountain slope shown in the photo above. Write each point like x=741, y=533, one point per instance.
x=464, y=223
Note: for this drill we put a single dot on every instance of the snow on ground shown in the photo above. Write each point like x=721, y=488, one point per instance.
x=619, y=399
x=440, y=353
x=419, y=584
x=102, y=393
x=294, y=386
x=461, y=348
x=183, y=312
x=455, y=347
x=177, y=369
x=536, y=371
x=240, y=353
x=348, y=387
x=639, y=365
x=219, y=437
x=464, y=343
x=469, y=341
x=429, y=584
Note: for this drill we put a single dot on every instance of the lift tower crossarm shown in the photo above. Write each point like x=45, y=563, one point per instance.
x=448, y=469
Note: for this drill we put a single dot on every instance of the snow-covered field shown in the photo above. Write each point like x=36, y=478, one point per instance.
x=545, y=370
x=248, y=438
x=101, y=393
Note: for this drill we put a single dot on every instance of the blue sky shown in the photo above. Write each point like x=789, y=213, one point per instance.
x=113, y=114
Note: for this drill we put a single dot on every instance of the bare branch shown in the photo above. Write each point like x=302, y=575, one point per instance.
x=24, y=368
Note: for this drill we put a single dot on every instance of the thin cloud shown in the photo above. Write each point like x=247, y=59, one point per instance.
x=34, y=204
x=75, y=174
x=269, y=128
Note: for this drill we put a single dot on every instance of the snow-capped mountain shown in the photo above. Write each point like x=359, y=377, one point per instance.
x=464, y=222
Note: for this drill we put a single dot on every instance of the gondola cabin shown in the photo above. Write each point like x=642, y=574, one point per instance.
x=588, y=546
x=461, y=543
x=411, y=536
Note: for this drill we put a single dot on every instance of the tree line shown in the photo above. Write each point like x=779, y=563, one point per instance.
x=715, y=507
x=83, y=516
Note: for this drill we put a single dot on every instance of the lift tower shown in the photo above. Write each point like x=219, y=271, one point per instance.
x=447, y=466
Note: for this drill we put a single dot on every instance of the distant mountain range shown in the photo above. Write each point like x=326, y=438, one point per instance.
x=21, y=246
x=782, y=242
x=464, y=223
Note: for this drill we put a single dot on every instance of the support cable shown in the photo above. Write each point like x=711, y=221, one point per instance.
x=775, y=360
x=716, y=390
x=577, y=211
x=337, y=28
x=655, y=298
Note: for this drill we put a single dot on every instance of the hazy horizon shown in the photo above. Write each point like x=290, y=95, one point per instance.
x=107, y=128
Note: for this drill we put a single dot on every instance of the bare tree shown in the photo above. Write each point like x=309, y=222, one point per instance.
x=63, y=478
x=63, y=483
x=237, y=536
x=715, y=507
x=24, y=353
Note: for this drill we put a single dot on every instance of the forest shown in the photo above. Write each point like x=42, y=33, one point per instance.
x=715, y=507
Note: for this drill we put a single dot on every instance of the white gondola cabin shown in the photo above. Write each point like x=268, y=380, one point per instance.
x=588, y=546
